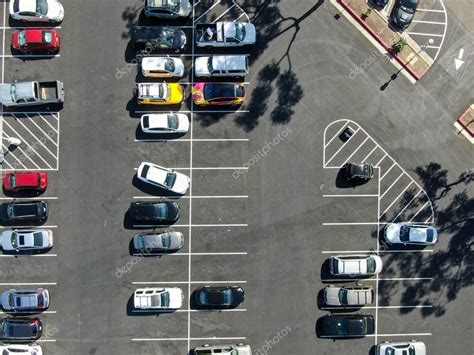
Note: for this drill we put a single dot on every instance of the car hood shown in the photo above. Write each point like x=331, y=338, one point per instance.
x=176, y=298
x=331, y=296
x=200, y=66
x=5, y=300
x=176, y=240
x=392, y=232
x=250, y=33
x=419, y=347
x=185, y=9
x=7, y=240
x=55, y=10
x=5, y=96
x=181, y=184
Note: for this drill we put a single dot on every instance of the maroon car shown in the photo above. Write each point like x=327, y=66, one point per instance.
x=36, y=40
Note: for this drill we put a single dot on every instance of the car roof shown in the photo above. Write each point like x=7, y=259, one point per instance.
x=27, y=179
x=228, y=62
x=222, y=89
x=26, y=5
x=154, y=63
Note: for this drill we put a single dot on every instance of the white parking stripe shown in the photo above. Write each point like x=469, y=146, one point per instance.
x=416, y=214
x=31, y=55
x=24, y=126
x=408, y=204
x=340, y=195
x=434, y=47
x=398, y=178
x=374, y=251
x=186, y=225
x=381, y=279
x=28, y=227
x=195, y=140
x=46, y=340
x=396, y=199
x=49, y=124
x=44, y=133
x=209, y=168
x=248, y=19
x=9, y=166
x=368, y=155
x=187, y=197
x=27, y=255
x=28, y=283
x=399, y=335
x=187, y=339
x=187, y=254
x=381, y=178
x=430, y=22
x=29, y=146
x=343, y=145
x=185, y=282
x=23, y=312
x=243, y=14
x=337, y=134
x=376, y=165
x=214, y=5
x=424, y=34
x=349, y=223
x=5, y=149
x=24, y=154
x=429, y=10
x=226, y=11
x=29, y=198
x=355, y=151
x=189, y=310
x=378, y=307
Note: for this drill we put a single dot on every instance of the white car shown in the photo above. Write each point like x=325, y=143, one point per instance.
x=400, y=233
x=162, y=67
x=25, y=300
x=412, y=347
x=221, y=65
x=164, y=178
x=26, y=240
x=37, y=10
x=164, y=123
x=17, y=349
x=355, y=265
x=158, y=298
x=206, y=349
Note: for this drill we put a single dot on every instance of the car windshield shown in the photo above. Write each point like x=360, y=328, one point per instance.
x=141, y=242
x=37, y=239
x=173, y=5
x=169, y=65
x=165, y=240
x=165, y=299
x=227, y=296
x=341, y=327
x=343, y=296
x=209, y=65
x=409, y=6
x=22, y=38
x=42, y=7
x=404, y=234
x=240, y=31
x=370, y=265
x=167, y=37
x=162, y=210
x=13, y=92
x=173, y=121
x=429, y=235
x=170, y=179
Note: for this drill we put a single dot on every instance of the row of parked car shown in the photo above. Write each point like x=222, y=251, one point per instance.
x=164, y=212
x=353, y=297
x=19, y=332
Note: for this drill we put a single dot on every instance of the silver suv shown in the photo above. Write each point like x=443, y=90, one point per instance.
x=33, y=300
x=239, y=349
x=338, y=296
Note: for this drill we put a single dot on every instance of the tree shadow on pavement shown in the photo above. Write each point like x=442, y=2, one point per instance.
x=448, y=267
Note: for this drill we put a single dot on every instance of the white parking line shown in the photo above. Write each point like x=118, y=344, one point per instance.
x=399, y=335
x=188, y=339
x=44, y=133
x=49, y=124
x=187, y=254
x=434, y=47
x=429, y=10
x=188, y=225
x=185, y=282
x=337, y=134
x=30, y=198
x=28, y=283
x=378, y=307
x=5, y=149
x=21, y=28
x=408, y=204
x=3, y=45
x=355, y=151
x=189, y=197
x=189, y=310
x=430, y=22
x=343, y=145
x=31, y=55
x=29, y=227
x=23, y=153
x=209, y=168
x=396, y=180
x=355, y=195
x=424, y=34
x=381, y=279
x=23, y=312
x=195, y=140
x=207, y=11
x=26, y=128
x=46, y=340
x=368, y=155
x=416, y=214
x=375, y=251
x=381, y=178
x=26, y=255
x=244, y=13
x=226, y=11
x=396, y=199
x=350, y=223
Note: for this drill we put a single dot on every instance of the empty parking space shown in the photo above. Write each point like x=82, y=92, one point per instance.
x=39, y=136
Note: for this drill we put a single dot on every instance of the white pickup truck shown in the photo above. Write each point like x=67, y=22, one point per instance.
x=32, y=93
x=158, y=298
x=225, y=34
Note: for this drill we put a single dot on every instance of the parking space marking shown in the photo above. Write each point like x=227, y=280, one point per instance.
x=381, y=279
x=23, y=227
x=356, y=150
x=429, y=10
x=381, y=178
x=46, y=148
x=3, y=45
x=408, y=204
x=188, y=339
x=341, y=195
x=25, y=312
x=425, y=34
x=31, y=55
x=421, y=209
x=368, y=155
x=36, y=28
x=206, y=12
x=349, y=223
x=28, y=283
x=187, y=225
x=378, y=307
x=187, y=254
x=374, y=251
x=222, y=14
x=430, y=22
x=189, y=197
x=243, y=12
x=29, y=198
x=343, y=145
x=46, y=340
x=396, y=199
x=185, y=282
x=26, y=255
x=195, y=140
x=399, y=335
x=209, y=168
x=381, y=159
x=189, y=310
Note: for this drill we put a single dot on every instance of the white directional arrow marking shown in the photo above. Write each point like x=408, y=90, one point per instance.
x=458, y=62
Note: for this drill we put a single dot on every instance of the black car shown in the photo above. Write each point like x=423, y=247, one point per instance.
x=26, y=211
x=358, y=171
x=158, y=38
x=20, y=329
x=154, y=212
x=346, y=326
x=381, y=3
x=219, y=296
x=403, y=13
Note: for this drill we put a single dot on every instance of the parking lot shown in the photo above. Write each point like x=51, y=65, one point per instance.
x=266, y=207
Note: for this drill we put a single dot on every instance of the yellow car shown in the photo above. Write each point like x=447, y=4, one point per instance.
x=160, y=93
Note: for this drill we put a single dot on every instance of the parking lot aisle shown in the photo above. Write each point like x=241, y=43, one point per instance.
x=39, y=134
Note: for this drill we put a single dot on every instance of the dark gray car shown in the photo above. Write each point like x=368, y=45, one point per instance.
x=403, y=13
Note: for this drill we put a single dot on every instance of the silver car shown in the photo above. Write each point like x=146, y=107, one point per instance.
x=403, y=233
x=412, y=347
x=239, y=349
x=340, y=296
x=33, y=300
x=27, y=240
x=158, y=242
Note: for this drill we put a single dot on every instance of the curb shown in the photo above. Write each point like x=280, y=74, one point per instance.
x=379, y=40
x=465, y=130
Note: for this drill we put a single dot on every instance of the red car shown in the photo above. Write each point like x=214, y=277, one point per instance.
x=36, y=40
x=25, y=180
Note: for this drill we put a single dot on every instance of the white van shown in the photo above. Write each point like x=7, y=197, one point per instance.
x=221, y=65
